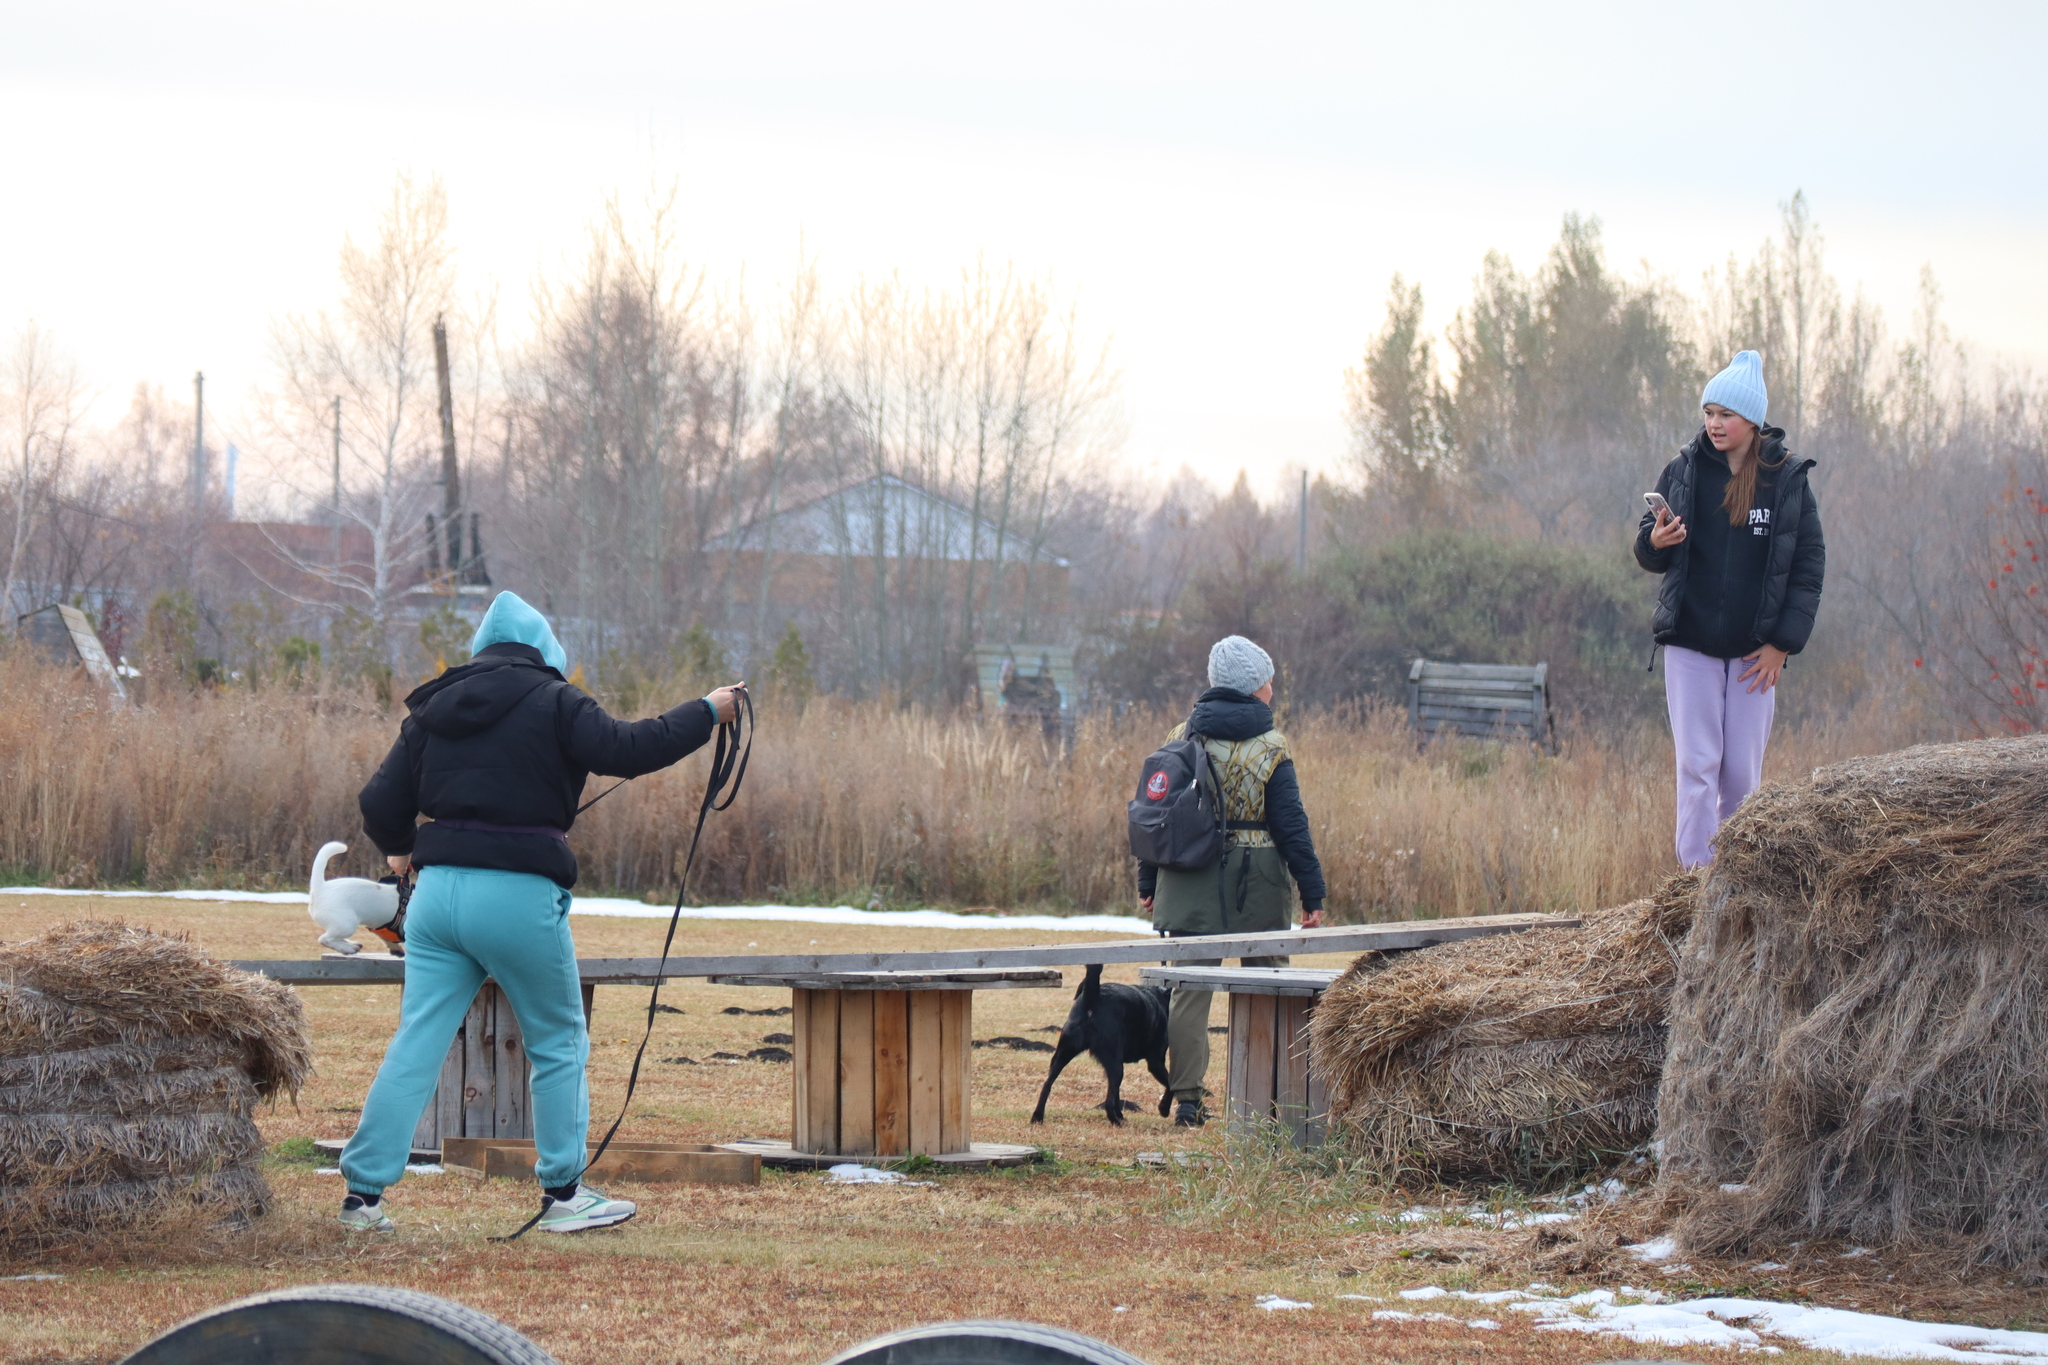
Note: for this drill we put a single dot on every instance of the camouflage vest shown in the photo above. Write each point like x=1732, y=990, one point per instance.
x=1243, y=766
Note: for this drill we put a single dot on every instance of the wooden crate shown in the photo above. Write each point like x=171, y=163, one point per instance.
x=486, y=1087
x=882, y=1072
x=1270, y=1079
x=1492, y=701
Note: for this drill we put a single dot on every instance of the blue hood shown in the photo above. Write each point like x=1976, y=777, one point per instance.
x=510, y=621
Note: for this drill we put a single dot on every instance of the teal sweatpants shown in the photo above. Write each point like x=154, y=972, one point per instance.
x=462, y=925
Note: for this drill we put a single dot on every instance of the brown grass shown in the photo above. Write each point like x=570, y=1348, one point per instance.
x=790, y=1271
x=845, y=802
x=1857, y=1030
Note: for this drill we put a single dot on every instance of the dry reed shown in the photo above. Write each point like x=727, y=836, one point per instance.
x=1858, y=1032
x=845, y=802
x=131, y=1065
x=1525, y=1057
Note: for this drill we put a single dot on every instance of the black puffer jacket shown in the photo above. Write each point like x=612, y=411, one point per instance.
x=505, y=741
x=1227, y=714
x=1794, y=568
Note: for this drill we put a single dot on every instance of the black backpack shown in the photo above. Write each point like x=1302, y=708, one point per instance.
x=1176, y=819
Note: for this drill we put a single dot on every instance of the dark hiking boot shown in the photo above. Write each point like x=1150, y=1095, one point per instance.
x=1190, y=1114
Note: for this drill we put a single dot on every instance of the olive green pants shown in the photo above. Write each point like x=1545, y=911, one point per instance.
x=1257, y=897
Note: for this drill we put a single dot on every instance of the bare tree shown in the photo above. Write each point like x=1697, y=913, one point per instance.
x=41, y=405
x=374, y=352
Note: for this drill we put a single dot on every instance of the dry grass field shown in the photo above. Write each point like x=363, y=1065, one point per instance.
x=1166, y=1262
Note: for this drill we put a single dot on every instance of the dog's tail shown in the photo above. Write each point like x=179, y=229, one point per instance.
x=327, y=850
x=1091, y=987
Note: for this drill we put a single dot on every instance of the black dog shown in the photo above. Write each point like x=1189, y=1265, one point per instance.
x=1113, y=1024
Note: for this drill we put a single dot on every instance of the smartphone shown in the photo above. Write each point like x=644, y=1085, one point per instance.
x=1656, y=504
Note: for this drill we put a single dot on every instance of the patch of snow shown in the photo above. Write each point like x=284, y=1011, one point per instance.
x=1735, y=1189
x=1656, y=1249
x=1121, y=1308
x=1484, y=1324
x=1853, y=1252
x=853, y=1173
x=1497, y=1296
x=1394, y=1315
x=1273, y=1303
x=1769, y=1265
x=1363, y=1298
x=1428, y=1291
x=31, y=1277
x=1745, y=1323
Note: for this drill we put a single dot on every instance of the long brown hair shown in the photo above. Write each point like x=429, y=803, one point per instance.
x=1742, y=481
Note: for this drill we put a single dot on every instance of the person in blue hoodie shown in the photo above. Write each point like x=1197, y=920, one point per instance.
x=495, y=753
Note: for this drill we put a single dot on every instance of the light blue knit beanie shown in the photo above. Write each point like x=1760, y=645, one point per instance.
x=1237, y=663
x=510, y=621
x=1740, y=388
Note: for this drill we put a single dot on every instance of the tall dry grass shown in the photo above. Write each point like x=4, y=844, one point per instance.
x=856, y=802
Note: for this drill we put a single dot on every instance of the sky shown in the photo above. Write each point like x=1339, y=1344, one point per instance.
x=1224, y=191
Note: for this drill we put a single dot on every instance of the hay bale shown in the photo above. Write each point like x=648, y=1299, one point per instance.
x=1526, y=1057
x=131, y=1065
x=1859, y=1032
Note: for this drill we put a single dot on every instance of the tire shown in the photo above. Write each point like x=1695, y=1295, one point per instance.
x=341, y=1324
x=984, y=1343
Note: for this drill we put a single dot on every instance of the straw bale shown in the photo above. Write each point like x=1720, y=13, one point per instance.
x=1523, y=1057
x=131, y=1066
x=1859, y=1032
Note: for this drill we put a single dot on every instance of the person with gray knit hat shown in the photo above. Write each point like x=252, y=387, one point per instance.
x=1270, y=855
x=1741, y=588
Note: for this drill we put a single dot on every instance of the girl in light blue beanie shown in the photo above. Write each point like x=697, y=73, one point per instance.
x=1734, y=529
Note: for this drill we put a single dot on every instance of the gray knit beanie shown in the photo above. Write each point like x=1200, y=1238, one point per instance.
x=1238, y=664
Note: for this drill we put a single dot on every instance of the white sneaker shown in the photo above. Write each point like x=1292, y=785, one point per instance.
x=589, y=1209
x=365, y=1218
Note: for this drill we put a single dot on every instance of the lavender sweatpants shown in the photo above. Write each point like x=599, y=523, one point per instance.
x=1719, y=729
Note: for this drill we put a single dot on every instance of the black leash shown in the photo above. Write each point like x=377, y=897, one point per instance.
x=728, y=764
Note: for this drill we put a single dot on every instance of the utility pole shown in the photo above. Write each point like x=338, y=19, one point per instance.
x=451, y=473
x=198, y=440
x=1303, y=553
x=334, y=508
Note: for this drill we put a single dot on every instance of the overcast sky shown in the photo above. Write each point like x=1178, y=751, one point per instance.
x=1225, y=190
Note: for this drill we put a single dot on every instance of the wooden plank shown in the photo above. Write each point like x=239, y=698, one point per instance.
x=513, y=1114
x=1431, y=669
x=1290, y=1088
x=705, y=1166
x=801, y=1072
x=469, y=1151
x=480, y=1064
x=448, y=1094
x=964, y=979
x=824, y=1071
x=857, y=1073
x=956, y=1069
x=1259, y=1048
x=892, y=1073
x=1309, y=981
x=1239, y=1109
x=1350, y=938
x=927, y=1034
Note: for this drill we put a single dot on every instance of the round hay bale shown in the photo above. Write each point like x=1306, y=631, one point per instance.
x=131, y=1065
x=1528, y=1057
x=1859, y=1036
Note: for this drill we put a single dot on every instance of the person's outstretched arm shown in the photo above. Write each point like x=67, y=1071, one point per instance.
x=598, y=743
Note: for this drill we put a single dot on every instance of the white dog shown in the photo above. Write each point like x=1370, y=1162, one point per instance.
x=342, y=905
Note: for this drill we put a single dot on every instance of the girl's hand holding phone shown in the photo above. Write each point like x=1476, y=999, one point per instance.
x=1669, y=530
